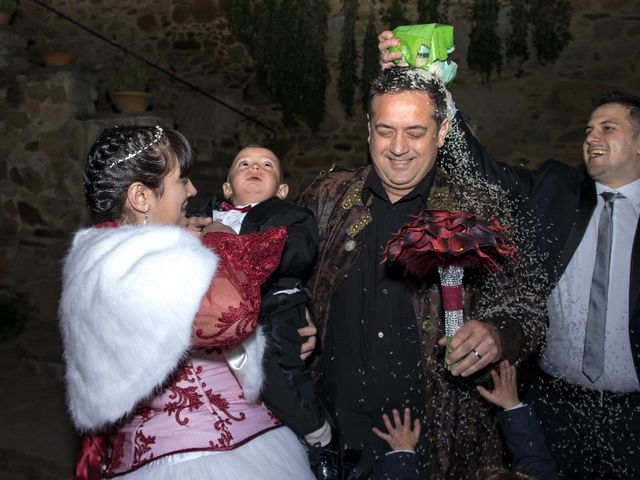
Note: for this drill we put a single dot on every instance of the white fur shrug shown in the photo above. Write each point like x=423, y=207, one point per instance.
x=129, y=299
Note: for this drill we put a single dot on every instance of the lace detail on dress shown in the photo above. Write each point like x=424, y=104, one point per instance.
x=229, y=310
x=143, y=446
x=255, y=254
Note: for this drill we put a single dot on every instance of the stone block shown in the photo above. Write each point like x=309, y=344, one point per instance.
x=57, y=94
x=147, y=22
x=84, y=111
x=606, y=30
x=17, y=119
x=633, y=30
x=315, y=161
x=577, y=51
x=499, y=113
x=56, y=116
x=51, y=143
x=11, y=41
x=536, y=136
x=14, y=96
x=204, y=11
x=9, y=209
x=342, y=146
x=605, y=72
x=180, y=14
x=575, y=135
x=34, y=181
x=38, y=91
x=76, y=143
x=186, y=45
x=15, y=176
x=60, y=166
x=81, y=92
x=570, y=97
x=616, y=5
x=8, y=188
x=29, y=214
x=9, y=231
x=33, y=110
x=621, y=49
x=7, y=143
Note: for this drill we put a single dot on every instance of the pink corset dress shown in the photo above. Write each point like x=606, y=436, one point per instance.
x=202, y=409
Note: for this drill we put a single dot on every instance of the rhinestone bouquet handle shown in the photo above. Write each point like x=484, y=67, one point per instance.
x=451, y=286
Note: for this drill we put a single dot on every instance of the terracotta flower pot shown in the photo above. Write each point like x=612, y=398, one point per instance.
x=130, y=102
x=57, y=59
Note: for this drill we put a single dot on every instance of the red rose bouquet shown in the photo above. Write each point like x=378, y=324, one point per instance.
x=450, y=242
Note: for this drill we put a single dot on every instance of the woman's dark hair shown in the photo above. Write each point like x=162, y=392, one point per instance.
x=123, y=155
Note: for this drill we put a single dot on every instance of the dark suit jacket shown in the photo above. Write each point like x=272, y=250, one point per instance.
x=562, y=200
x=400, y=466
x=301, y=249
x=525, y=439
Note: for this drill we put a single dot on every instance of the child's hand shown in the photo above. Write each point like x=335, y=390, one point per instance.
x=217, y=227
x=308, y=335
x=401, y=436
x=505, y=387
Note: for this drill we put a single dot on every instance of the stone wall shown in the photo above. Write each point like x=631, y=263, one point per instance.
x=49, y=117
x=529, y=117
x=48, y=123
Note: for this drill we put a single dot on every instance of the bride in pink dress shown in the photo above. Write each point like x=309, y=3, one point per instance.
x=146, y=312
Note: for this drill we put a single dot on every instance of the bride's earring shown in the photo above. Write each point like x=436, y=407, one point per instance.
x=146, y=216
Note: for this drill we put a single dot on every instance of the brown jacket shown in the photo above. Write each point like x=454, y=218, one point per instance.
x=460, y=426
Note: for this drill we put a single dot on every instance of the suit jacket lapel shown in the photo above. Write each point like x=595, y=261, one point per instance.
x=258, y=215
x=634, y=280
x=586, y=205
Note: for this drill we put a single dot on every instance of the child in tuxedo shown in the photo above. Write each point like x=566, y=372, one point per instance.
x=268, y=364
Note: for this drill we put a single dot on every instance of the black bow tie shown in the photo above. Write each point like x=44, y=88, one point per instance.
x=226, y=206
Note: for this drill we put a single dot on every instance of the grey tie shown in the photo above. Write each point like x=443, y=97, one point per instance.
x=593, y=360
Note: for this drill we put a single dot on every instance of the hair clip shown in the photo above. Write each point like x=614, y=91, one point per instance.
x=156, y=138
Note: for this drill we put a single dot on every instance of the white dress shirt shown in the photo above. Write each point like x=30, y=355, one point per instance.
x=568, y=304
x=230, y=218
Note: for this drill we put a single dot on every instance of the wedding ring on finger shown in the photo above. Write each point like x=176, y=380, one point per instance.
x=477, y=354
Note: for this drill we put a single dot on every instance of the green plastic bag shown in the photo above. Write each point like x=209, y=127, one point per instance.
x=427, y=46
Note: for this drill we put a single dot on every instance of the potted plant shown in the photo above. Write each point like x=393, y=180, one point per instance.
x=7, y=8
x=55, y=55
x=129, y=93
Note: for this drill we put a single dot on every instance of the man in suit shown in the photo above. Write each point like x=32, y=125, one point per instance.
x=590, y=419
x=590, y=413
x=588, y=396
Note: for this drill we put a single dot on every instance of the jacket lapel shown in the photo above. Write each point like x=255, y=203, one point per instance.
x=586, y=206
x=258, y=215
x=634, y=280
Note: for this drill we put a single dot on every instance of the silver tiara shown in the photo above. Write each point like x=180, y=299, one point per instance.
x=156, y=138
